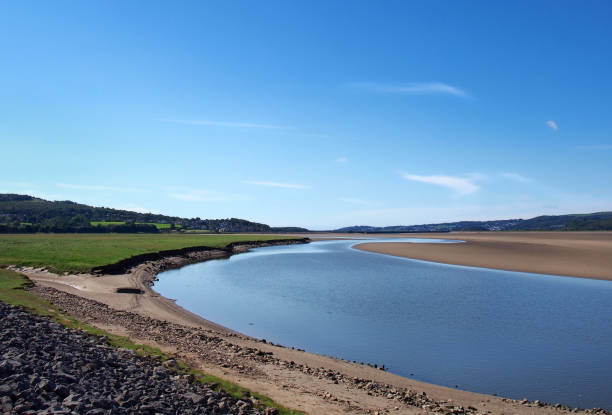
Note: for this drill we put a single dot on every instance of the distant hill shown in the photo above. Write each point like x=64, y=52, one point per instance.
x=599, y=221
x=22, y=213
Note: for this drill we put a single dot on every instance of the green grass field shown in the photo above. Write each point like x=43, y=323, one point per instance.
x=82, y=252
x=13, y=290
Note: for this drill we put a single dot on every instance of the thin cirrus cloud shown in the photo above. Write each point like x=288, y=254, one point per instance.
x=341, y=160
x=461, y=185
x=225, y=124
x=276, y=184
x=423, y=88
x=552, y=124
x=516, y=177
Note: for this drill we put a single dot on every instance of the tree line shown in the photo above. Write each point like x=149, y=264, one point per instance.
x=27, y=214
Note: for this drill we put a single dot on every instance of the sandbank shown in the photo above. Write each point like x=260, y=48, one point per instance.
x=575, y=254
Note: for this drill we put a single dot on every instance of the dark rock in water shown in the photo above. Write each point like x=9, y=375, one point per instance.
x=46, y=368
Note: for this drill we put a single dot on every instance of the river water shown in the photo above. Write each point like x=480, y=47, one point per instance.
x=515, y=334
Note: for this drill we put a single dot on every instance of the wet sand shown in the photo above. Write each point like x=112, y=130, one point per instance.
x=576, y=254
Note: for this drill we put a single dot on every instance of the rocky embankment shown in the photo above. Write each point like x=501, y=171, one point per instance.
x=48, y=369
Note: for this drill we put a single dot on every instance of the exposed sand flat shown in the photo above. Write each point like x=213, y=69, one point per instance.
x=576, y=254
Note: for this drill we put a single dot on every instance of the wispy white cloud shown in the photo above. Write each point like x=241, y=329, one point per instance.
x=97, y=187
x=341, y=160
x=476, y=177
x=552, y=125
x=595, y=147
x=461, y=185
x=357, y=201
x=517, y=177
x=193, y=195
x=276, y=184
x=225, y=124
x=424, y=88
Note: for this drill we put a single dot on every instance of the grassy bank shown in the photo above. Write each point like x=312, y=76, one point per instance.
x=13, y=290
x=82, y=252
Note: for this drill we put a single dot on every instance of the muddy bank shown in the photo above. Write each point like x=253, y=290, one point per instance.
x=191, y=255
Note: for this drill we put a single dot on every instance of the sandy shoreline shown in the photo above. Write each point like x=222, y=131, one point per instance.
x=575, y=254
x=141, y=277
x=300, y=380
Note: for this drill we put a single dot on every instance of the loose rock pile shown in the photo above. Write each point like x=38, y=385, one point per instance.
x=48, y=369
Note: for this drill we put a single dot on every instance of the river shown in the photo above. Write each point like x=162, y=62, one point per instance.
x=514, y=334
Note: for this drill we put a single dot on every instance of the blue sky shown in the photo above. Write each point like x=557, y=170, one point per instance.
x=317, y=114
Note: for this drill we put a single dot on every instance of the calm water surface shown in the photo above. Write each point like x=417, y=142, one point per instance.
x=516, y=334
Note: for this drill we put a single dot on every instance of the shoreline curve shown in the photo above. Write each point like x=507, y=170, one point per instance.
x=102, y=288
